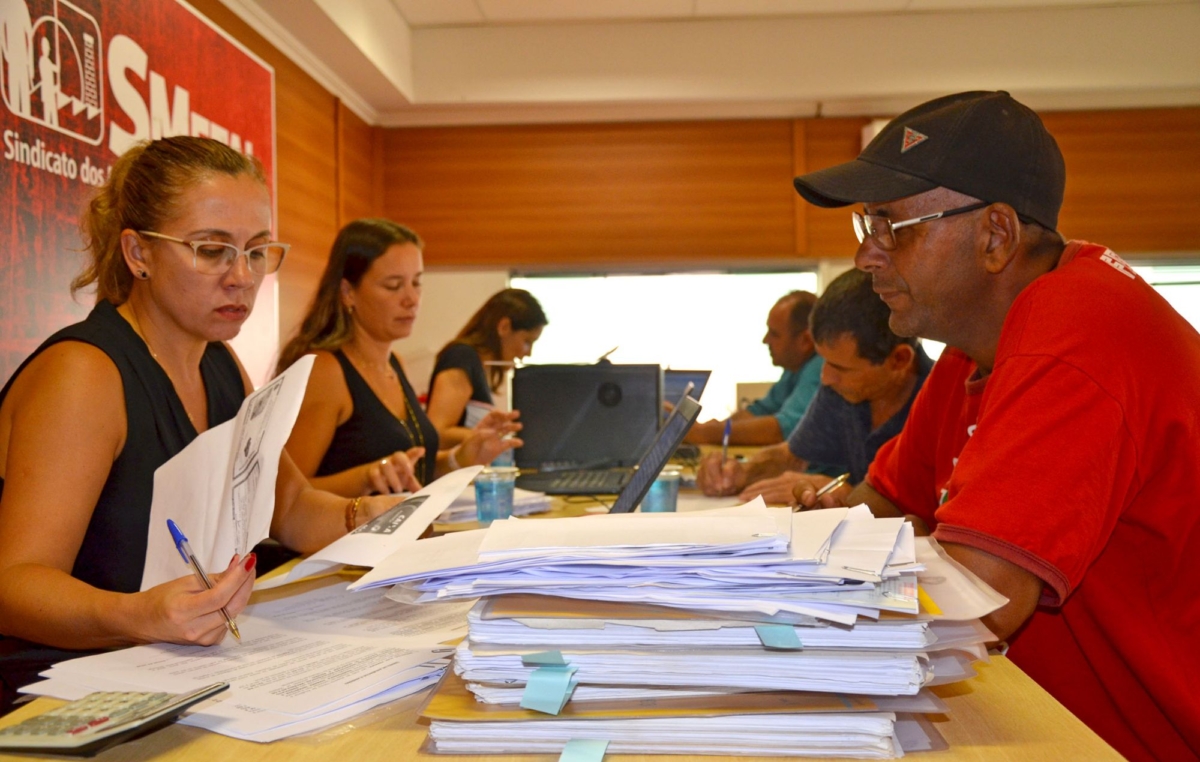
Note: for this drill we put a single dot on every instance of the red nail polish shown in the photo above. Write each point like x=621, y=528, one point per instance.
x=250, y=561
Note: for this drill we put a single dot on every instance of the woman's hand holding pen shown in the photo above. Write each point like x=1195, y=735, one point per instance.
x=395, y=473
x=184, y=611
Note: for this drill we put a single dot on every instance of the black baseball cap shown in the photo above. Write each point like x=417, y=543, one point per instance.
x=983, y=144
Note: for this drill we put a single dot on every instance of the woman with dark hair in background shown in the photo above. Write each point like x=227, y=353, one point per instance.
x=179, y=240
x=360, y=428
x=471, y=368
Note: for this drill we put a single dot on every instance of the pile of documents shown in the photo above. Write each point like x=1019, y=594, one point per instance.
x=305, y=662
x=696, y=633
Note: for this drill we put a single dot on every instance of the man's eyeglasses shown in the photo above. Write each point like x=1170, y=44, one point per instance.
x=882, y=231
x=218, y=258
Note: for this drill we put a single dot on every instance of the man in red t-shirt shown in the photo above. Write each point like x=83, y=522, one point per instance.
x=1055, y=448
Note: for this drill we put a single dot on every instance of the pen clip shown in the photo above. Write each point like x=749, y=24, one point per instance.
x=179, y=538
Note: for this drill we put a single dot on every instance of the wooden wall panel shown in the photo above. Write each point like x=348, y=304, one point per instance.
x=306, y=152
x=597, y=195
x=830, y=142
x=799, y=167
x=1133, y=178
x=359, y=168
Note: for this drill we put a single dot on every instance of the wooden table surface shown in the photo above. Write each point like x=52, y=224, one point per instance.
x=999, y=715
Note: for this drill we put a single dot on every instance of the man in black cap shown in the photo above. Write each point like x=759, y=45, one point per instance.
x=1055, y=448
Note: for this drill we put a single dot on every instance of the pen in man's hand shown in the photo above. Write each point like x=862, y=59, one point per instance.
x=829, y=487
x=834, y=484
x=725, y=440
x=185, y=550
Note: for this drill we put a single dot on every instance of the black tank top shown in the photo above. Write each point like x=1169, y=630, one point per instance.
x=465, y=358
x=372, y=432
x=157, y=426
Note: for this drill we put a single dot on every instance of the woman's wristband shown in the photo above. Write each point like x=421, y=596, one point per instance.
x=451, y=459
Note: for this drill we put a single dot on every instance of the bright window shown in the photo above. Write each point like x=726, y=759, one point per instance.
x=700, y=321
x=1179, y=285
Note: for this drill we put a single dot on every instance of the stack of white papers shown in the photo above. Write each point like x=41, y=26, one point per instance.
x=836, y=565
x=865, y=736
x=305, y=662
x=877, y=673
x=525, y=503
x=693, y=616
x=493, y=624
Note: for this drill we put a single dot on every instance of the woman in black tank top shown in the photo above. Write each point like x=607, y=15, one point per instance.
x=179, y=241
x=361, y=428
x=504, y=329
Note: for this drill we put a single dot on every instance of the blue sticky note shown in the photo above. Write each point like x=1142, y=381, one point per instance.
x=549, y=688
x=583, y=750
x=778, y=636
x=544, y=658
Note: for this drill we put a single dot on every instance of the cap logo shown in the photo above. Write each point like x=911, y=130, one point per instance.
x=912, y=138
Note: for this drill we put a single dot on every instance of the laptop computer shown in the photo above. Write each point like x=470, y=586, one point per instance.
x=594, y=419
x=629, y=484
x=686, y=411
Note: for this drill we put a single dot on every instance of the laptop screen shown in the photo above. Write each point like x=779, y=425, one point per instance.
x=586, y=416
x=675, y=383
x=681, y=419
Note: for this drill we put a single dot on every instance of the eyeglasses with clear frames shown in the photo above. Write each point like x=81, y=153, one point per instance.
x=882, y=231
x=218, y=258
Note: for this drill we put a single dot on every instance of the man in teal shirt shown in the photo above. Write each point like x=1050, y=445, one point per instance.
x=772, y=418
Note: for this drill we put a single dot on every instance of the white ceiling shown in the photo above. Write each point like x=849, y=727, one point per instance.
x=417, y=62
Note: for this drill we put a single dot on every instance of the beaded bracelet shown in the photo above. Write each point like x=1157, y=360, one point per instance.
x=352, y=514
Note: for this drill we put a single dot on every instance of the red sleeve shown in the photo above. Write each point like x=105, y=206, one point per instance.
x=1042, y=480
x=906, y=469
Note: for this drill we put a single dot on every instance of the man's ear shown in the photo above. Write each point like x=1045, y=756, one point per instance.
x=806, y=340
x=901, y=356
x=1003, y=237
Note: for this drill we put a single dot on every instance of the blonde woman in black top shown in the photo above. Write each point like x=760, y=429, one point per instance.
x=360, y=428
x=179, y=240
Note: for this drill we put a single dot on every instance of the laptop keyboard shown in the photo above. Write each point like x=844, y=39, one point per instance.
x=603, y=482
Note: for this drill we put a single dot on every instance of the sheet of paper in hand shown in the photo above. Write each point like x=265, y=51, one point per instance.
x=220, y=489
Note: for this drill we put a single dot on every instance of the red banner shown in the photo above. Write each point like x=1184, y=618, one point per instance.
x=82, y=80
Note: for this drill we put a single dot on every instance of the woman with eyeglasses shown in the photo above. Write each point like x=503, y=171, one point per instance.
x=361, y=428
x=179, y=240
x=471, y=368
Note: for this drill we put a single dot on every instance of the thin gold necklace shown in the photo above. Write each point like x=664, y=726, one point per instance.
x=408, y=421
x=137, y=327
x=385, y=368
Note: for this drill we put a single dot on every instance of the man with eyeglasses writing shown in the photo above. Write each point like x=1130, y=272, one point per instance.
x=1055, y=448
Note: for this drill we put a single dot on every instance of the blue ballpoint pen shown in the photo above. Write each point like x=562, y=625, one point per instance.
x=725, y=440
x=189, y=558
